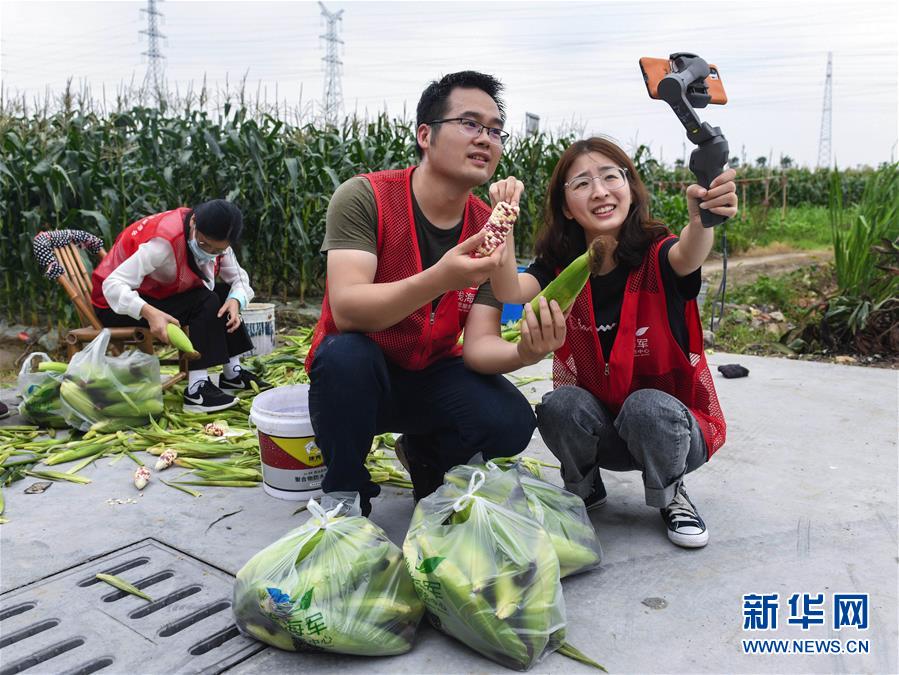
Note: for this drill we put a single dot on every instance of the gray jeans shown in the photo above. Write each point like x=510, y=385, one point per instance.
x=654, y=432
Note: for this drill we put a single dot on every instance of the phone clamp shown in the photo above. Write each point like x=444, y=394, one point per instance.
x=684, y=89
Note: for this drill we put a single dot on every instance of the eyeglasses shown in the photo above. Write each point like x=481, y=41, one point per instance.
x=206, y=246
x=473, y=129
x=611, y=178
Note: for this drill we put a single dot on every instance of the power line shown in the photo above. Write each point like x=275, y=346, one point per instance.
x=824, y=137
x=332, y=100
x=155, y=78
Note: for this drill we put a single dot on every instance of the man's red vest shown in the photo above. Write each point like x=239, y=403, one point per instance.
x=424, y=336
x=168, y=225
x=645, y=354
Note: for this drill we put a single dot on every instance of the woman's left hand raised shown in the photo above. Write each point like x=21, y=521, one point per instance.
x=232, y=309
x=720, y=198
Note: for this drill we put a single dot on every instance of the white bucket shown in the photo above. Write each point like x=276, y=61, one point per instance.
x=259, y=318
x=292, y=465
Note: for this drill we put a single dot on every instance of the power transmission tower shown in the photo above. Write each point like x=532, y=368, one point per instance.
x=824, y=138
x=154, y=80
x=332, y=101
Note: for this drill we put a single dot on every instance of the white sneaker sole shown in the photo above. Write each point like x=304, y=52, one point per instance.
x=209, y=408
x=689, y=540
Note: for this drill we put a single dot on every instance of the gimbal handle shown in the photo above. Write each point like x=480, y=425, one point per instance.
x=683, y=89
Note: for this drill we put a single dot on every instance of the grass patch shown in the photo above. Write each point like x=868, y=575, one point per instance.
x=798, y=295
x=803, y=228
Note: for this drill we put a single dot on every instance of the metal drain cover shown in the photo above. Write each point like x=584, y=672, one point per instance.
x=73, y=623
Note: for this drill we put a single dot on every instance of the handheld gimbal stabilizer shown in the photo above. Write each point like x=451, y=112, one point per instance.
x=684, y=89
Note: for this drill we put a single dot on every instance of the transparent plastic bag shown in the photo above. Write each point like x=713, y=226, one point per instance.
x=561, y=513
x=336, y=584
x=106, y=393
x=40, y=394
x=486, y=570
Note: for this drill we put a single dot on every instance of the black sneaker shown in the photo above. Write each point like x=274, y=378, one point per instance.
x=242, y=381
x=685, y=527
x=206, y=397
x=597, y=497
x=425, y=478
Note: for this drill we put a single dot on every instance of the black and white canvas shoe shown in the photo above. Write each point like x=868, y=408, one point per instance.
x=242, y=381
x=206, y=397
x=597, y=497
x=685, y=527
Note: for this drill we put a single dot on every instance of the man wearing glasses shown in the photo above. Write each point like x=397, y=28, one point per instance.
x=400, y=284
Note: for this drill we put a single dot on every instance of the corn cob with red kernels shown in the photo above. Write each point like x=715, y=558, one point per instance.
x=498, y=226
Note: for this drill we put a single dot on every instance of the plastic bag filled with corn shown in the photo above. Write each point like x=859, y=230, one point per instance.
x=561, y=513
x=39, y=390
x=107, y=393
x=486, y=570
x=336, y=583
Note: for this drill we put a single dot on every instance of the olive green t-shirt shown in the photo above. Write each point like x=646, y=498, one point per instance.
x=352, y=223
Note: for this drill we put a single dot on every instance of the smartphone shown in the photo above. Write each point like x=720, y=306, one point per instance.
x=655, y=69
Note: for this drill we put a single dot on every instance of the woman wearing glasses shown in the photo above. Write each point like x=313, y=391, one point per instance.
x=632, y=387
x=162, y=270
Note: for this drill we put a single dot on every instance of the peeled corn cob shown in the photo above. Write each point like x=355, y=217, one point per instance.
x=166, y=459
x=498, y=226
x=141, y=477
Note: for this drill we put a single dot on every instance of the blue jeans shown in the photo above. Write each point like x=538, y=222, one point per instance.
x=356, y=393
x=653, y=433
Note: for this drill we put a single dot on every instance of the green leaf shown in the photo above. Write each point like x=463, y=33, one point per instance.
x=102, y=222
x=123, y=585
x=306, y=600
x=428, y=565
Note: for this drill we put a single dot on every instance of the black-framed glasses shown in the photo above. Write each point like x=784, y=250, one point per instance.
x=473, y=129
x=611, y=178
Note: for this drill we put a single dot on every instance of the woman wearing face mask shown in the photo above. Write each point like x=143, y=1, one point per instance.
x=632, y=387
x=162, y=269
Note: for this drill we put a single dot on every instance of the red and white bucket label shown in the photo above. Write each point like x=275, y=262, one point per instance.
x=291, y=464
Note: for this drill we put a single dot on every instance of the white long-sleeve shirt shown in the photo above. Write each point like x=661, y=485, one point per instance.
x=156, y=259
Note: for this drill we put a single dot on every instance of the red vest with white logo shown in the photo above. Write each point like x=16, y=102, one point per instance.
x=424, y=336
x=168, y=225
x=645, y=354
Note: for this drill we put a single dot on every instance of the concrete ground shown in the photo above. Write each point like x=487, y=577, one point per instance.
x=801, y=499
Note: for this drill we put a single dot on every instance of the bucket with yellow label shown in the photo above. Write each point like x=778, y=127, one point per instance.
x=292, y=465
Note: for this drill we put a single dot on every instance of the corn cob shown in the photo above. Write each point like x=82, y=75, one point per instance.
x=141, y=477
x=498, y=226
x=166, y=459
x=52, y=367
x=179, y=339
x=565, y=288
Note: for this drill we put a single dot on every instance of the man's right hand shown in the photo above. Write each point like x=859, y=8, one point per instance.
x=458, y=269
x=158, y=321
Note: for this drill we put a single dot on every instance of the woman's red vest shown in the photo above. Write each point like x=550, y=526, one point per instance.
x=168, y=225
x=645, y=354
x=424, y=336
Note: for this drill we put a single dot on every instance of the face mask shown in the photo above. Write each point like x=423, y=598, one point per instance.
x=201, y=256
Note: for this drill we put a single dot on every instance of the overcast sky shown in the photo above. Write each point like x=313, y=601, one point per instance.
x=574, y=64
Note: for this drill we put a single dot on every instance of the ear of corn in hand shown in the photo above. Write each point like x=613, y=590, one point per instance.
x=497, y=228
x=179, y=340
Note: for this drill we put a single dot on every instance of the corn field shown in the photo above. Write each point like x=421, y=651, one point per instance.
x=77, y=168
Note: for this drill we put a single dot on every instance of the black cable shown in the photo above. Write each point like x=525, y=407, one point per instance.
x=719, y=294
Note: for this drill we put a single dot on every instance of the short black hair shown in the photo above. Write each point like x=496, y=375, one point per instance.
x=219, y=219
x=433, y=102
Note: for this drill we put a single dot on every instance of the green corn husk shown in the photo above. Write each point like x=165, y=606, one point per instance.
x=576, y=654
x=56, y=475
x=565, y=288
x=123, y=585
